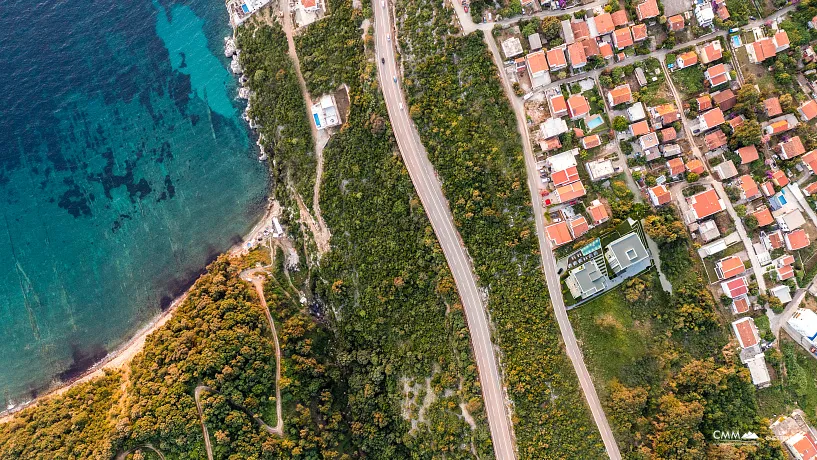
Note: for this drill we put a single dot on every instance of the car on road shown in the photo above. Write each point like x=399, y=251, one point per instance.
x=394, y=78
x=382, y=3
x=382, y=60
x=388, y=37
x=401, y=106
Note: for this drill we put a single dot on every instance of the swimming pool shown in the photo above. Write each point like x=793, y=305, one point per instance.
x=245, y=8
x=736, y=42
x=594, y=246
x=594, y=122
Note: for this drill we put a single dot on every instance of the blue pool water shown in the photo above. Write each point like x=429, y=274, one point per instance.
x=124, y=168
x=736, y=42
x=594, y=122
x=594, y=246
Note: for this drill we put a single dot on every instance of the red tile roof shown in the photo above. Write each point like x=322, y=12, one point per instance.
x=749, y=187
x=704, y=102
x=740, y=306
x=806, y=447
x=772, y=106
x=780, y=179
x=776, y=239
x=695, y=166
x=767, y=188
x=620, y=17
x=590, y=142
x=763, y=48
x=736, y=288
x=579, y=226
x=661, y=193
x=570, y=191
x=711, y=52
x=559, y=106
x=639, y=32
x=558, y=233
x=748, y=154
x=550, y=144
x=791, y=148
x=556, y=58
x=747, y=332
x=713, y=118
x=725, y=99
x=604, y=23
x=647, y=9
x=598, y=213
x=687, y=59
x=731, y=266
x=808, y=110
x=763, y=216
x=781, y=39
x=640, y=128
x=537, y=62
x=737, y=121
x=668, y=134
x=621, y=94
x=715, y=139
x=706, y=203
x=580, y=30
x=723, y=13
x=797, y=239
x=591, y=47
x=676, y=22
x=566, y=176
x=675, y=166
x=622, y=38
x=576, y=53
x=577, y=105
x=810, y=188
x=606, y=50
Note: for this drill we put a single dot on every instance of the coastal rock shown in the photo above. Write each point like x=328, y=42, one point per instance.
x=244, y=93
x=229, y=46
x=235, y=66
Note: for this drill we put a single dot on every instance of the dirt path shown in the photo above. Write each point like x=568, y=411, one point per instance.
x=123, y=455
x=197, y=397
x=321, y=137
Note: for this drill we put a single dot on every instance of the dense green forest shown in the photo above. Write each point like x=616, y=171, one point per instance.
x=378, y=365
x=661, y=363
x=468, y=128
x=278, y=107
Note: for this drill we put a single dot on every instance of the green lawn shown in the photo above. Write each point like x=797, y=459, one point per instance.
x=689, y=81
x=797, y=387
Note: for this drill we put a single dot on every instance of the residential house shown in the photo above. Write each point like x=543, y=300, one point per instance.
x=537, y=68
x=648, y=141
x=685, y=60
x=797, y=239
x=556, y=59
x=711, y=52
x=715, y=139
x=810, y=160
x=668, y=134
x=620, y=18
x=640, y=128
x=626, y=252
x=735, y=121
x=704, y=204
x=606, y=50
x=553, y=127
x=675, y=167
x=735, y=288
x=804, y=322
x=512, y=47
x=552, y=143
x=710, y=119
x=601, y=24
x=581, y=30
x=577, y=57
x=586, y=280
x=589, y=142
x=578, y=226
x=726, y=100
x=763, y=216
x=782, y=292
x=717, y=75
x=636, y=112
x=725, y=170
x=622, y=38
x=746, y=332
x=558, y=106
x=659, y=195
x=773, y=240
x=729, y=267
x=779, y=178
x=598, y=212
x=802, y=446
x=784, y=267
x=808, y=110
x=767, y=47
x=564, y=176
x=676, y=23
x=647, y=9
x=779, y=125
x=569, y=192
x=791, y=148
x=767, y=188
x=704, y=14
x=695, y=166
x=772, y=107
x=748, y=188
x=558, y=234
x=591, y=47
x=789, y=220
x=704, y=102
x=810, y=189
x=600, y=169
x=663, y=115
x=670, y=150
x=639, y=32
x=748, y=154
x=740, y=306
x=562, y=160
x=577, y=107
x=535, y=41
x=620, y=95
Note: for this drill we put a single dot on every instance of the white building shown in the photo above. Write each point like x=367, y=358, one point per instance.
x=325, y=112
x=805, y=323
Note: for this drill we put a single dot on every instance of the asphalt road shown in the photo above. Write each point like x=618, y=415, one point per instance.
x=429, y=189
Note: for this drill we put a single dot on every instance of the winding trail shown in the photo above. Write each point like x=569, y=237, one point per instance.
x=123, y=455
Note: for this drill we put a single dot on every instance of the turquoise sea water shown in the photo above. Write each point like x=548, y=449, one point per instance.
x=124, y=168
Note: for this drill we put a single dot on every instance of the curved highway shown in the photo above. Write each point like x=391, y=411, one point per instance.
x=430, y=192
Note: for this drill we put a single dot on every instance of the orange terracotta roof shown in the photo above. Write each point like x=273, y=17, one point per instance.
x=737, y=121
x=640, y=128
x=576, y=53
x=577, y=105
x=806, y=447
x=706, y=203
x=537, y=62
x=780, y=179
x=713, y=118
x=780, y=126
x=580, y=30
x=591, y=47
x=748, y=154
x=590, y=142
x=785, y=272
x=731, y=266
x=781, y=38
x=622, y=38
x=639, y=32
x=749, y=187
x=598, y=213
x=565, y=176
x=767, y=188
x=810, y=188
x=725, y=99
x=668, y=134
x=647, y=9
x=747, y=334
x=723, y=13
x=695, y=166
x=740, y=306
x=621, y=94
x=736, y=288
x=675, y=166
x=772, y=106
x=712, y=52
x=558, y=233
x=676, y=22
x=715, y=139
x=704, y=102
x=571, y=191
x=559, y=105
x=687, y=59
x=763, y=49
x=579, y=226
x=791, y=148
x=661, y=193
x=550, y=144
x=556, y=58
x=604, y=23
x=808, y=110
x=776, y=239
x=797, y=239
x=620, y=17
x=606, y=50
x=763, y=216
